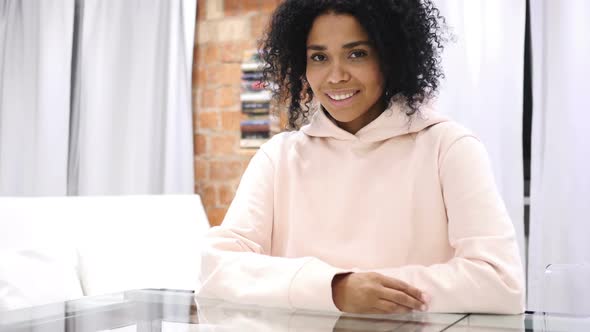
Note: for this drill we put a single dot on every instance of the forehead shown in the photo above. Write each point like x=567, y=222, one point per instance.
x=336, y=29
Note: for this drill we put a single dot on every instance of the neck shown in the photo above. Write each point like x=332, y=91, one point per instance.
x=357, y=124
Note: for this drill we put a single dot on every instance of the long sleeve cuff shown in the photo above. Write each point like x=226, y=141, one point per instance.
x=311, y=287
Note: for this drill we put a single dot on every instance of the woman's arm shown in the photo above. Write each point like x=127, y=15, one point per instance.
x=486, y=273
x=236, y=265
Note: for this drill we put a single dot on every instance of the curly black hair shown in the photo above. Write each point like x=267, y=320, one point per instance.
x=407, y=34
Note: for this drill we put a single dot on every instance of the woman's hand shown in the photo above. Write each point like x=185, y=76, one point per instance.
x=374, y=293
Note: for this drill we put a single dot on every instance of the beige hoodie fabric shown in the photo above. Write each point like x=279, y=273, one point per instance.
x=409, y=197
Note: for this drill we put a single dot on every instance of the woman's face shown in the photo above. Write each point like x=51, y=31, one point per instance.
x=343, y=70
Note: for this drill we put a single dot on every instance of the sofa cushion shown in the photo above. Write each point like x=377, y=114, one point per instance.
x=138, y=242
x=38, y=276
x=124, y=242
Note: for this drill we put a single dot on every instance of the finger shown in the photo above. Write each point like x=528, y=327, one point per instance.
x=402, y=298
x=391, y=307
x=403, y=287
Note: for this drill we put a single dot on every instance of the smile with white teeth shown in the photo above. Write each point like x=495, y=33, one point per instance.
x=341, y=96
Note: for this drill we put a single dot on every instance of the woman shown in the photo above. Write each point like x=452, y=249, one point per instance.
x=378, y=204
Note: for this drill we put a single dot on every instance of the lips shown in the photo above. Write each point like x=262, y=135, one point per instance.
x=340, y=96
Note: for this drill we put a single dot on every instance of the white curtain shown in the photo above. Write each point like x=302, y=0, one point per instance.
x=35, y=66
x=96, y=105
x=133, y=108
x=560, y=177
x=483, y=88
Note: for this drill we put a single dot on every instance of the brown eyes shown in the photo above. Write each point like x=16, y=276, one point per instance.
x=319, y=57
x=358, y=54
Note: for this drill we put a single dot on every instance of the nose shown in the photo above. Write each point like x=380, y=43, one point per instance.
x=338, y=74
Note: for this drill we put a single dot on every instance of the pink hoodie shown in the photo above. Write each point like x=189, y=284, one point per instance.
x=409, y=197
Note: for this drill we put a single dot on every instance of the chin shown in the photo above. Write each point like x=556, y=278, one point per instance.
x=338, y=116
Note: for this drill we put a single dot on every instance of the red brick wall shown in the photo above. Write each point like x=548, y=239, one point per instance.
x=224, y=30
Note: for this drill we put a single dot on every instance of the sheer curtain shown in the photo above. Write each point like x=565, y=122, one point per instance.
x=35, y=67
x=560, y=180
x=483, y=88
x=132, y=111
x=95, y=97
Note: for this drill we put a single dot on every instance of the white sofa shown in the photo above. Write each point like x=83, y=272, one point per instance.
x=59, y=248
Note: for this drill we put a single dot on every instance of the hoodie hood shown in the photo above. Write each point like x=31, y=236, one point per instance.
x=391, y=123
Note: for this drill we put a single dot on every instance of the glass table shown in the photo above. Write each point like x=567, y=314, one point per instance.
x=175, y=310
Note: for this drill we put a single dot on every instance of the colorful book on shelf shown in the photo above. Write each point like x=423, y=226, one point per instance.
x=263, y=96
x=266, y=116
x=255, y=126
x=256, y=111
x=252, y=86
x=250, y=105
x=252, y=76
x=248, y=67
x=253, y=140
x=257, y=135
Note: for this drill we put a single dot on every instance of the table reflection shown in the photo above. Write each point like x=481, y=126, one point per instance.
x=235, y=317
x=169, y=310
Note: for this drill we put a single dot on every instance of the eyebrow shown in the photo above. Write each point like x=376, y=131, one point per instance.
x=346, y=46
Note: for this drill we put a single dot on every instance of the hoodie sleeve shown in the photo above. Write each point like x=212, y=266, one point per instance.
x=236, y=261
x=485, y=275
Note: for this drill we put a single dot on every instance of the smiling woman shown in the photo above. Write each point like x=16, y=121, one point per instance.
x=376, y=204
x=398, y=42
x=343, y=71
